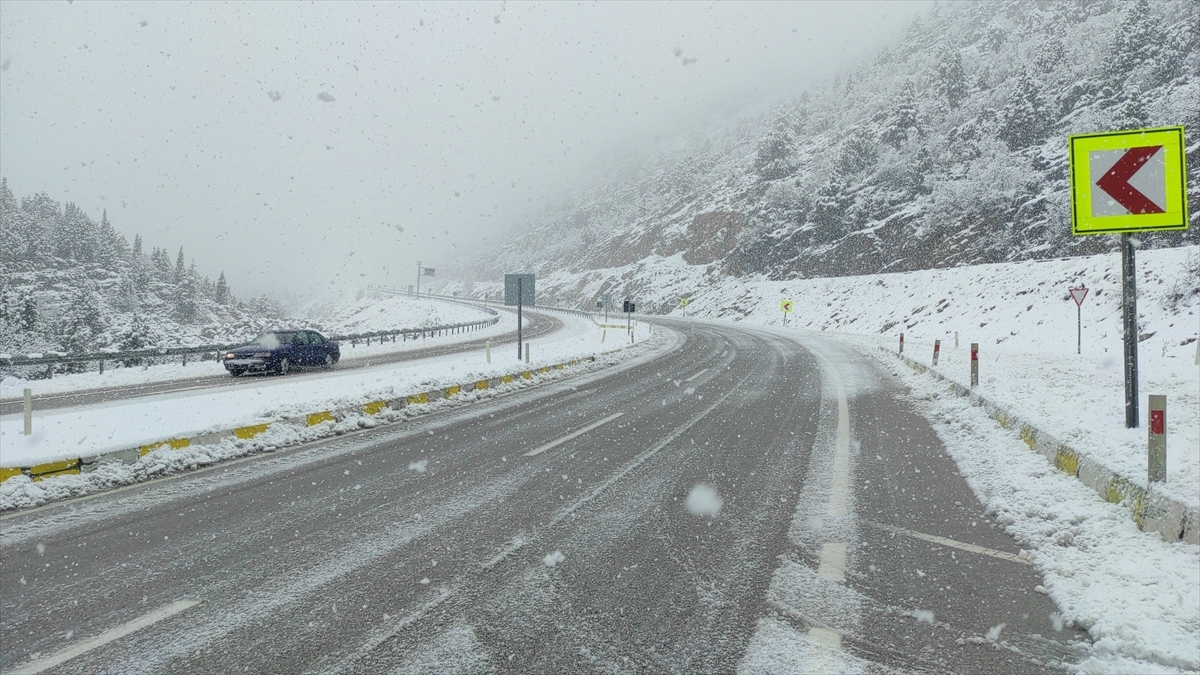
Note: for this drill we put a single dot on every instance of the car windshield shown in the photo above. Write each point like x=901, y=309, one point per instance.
x=273, y=339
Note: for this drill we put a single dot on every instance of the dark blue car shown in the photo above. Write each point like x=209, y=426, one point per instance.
x=279, y=350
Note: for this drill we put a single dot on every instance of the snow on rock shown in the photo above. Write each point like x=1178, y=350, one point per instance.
x=553, y=558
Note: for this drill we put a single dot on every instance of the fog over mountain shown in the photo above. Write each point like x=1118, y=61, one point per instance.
x=310, y=148
x=944, y=148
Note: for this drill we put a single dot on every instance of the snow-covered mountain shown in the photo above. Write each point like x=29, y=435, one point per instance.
x=945, y=149
x=71, y=284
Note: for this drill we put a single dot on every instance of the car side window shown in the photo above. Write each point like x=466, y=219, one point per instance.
x=301, y=339
x=315, y=339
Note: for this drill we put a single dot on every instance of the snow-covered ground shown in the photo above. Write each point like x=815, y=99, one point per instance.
x=88, y=431
x=91, y=430
x=360, y=316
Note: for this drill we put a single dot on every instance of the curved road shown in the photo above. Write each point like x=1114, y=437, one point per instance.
x=537, y=325
x=739, y=501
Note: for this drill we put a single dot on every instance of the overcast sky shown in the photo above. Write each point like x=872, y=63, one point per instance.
x=307, y=146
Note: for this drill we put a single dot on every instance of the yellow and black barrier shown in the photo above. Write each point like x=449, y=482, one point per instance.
x=75, y=466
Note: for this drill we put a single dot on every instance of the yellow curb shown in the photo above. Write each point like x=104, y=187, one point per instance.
x=506, y=379
x=5, y=474
x=527, y=375
x=1029, y=435
x=1067, y=462
x=482, y=384
x=375, y=407
x=174, y=444
x=54, y=468
x=418, y=398
x=246, y=433
x=450, y=391
x=558, y=366
x=318, y=417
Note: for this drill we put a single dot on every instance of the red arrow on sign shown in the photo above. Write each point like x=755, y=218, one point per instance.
x=1116, y=182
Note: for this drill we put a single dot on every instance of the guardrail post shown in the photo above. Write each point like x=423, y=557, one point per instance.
x=185, y=358
x=101, y=366
x=28, y=396
x=50, y=372
x=1156, y=442
x=974, y=364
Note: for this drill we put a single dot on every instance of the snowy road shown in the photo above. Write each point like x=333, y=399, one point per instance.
x=537, y=325
x=739, y=502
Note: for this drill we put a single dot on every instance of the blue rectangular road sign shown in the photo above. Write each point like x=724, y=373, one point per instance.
x=510, y=289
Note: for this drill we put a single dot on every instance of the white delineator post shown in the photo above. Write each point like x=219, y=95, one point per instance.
x=1078, y=294
x=28, y=412
x=956, y=339
x=974, y=364
x=526, y=352
x=902, y=343
x=489, y=351
x=937, y=347
x=1156, y=437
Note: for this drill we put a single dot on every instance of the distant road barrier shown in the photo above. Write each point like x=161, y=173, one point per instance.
x=482, y=303
x=50, y=359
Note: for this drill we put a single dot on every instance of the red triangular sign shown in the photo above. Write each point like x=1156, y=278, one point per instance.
x=1078, y=294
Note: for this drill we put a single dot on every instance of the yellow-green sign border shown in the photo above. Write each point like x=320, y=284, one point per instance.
x=1176, y=215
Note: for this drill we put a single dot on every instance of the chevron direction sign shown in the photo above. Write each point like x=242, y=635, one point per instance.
x=1128, y=181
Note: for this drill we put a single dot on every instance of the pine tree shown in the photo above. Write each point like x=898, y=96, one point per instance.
x=29, y=314
x=222, y=291
x=137, y=246
x=771, y=160
x=83, y=321
x=1023, y=120
x=951, y=80
x=179, y=266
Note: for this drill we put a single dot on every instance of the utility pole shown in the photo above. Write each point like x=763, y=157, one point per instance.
x=418, y=278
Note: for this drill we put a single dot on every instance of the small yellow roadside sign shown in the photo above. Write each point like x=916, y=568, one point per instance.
x=786, y=306
x=683, y=302
x=1128, y=181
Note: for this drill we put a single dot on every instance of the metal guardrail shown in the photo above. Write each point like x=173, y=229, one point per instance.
x=51, y=359
x=475, y=302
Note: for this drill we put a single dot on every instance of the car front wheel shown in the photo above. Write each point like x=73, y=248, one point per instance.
x=285, y=365
x=329, y=360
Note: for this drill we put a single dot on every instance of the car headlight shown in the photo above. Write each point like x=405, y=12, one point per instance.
x=231, y=355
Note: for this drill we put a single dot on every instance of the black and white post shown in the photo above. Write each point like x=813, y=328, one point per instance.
x=1129, y=319
x=418, y=278
x=519, y=335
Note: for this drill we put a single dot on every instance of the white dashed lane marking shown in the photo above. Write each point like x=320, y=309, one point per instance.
x=573, y=434
x=85, y=646
x=962, y=546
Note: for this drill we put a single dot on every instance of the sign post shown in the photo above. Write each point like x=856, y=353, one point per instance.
x=519, y=294
x=629, y=307
x=786, y=307
x=1124, y=182
x=683, y=302
x=1078, y=294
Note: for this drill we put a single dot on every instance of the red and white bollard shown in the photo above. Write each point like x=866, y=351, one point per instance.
x=974, y=364
x=937, y=347
x=902, y=343
x=1156, y=446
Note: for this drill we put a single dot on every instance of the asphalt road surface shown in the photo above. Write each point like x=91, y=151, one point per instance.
x=535, y=325
x=739, y=501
